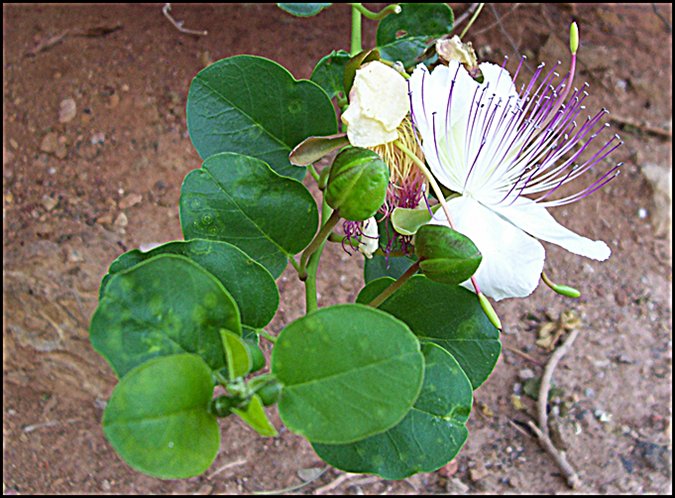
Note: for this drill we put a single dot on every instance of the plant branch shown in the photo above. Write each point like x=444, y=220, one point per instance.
x=268, y=336
x=394, y=8
x=317, y=242
x=355, y=47
x=313, y=172
x=382, y=297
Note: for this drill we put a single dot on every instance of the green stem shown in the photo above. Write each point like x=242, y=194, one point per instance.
x=356, y=31
x=310, y=280
x=471, y=21
x=313, y=172
x=394, y=8
x=294, y=263
x=318, y=241
x=395, y=286
x=268, y=336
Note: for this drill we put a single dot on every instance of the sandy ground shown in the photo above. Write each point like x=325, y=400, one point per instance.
x=78, y=193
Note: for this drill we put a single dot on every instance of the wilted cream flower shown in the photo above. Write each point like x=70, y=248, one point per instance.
x=378, y=102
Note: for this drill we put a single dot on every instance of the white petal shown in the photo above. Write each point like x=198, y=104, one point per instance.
x=430, y=96
x=369, y=242
x=512, y=260
x=536, y=220
x=499, y=81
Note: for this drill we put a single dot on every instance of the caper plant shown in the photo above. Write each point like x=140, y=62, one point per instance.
x=442, y=173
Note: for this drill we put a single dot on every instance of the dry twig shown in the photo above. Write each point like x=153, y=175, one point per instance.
x=228, y=465
x=573, y=480
x=645, y=128
x=179, y=24
x=52, y=41
x=522, y=354
x=335, y=483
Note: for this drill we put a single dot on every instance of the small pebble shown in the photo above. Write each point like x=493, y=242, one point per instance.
x=67, y=110
x=589, y=392
x=98, y=138
x=130, y=200
x=121, y=220
x=49, y=202
x=526, y=374
x=642, y=213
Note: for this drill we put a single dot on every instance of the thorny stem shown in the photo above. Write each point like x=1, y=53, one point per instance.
x=377, y=16
x=395, y=285
x=471, y=21
x=317, y=242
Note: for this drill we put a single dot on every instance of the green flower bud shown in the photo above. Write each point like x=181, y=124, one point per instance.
x=489, y=311
x=257, y=356
x=446, y=255
x=357, y=184
x=222, y=405
x=574, y=38
x=270, y=393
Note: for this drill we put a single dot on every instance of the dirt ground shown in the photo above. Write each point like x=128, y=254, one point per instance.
x=80, y=188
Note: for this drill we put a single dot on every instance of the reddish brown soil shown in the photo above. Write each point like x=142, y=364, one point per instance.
x=62, y=227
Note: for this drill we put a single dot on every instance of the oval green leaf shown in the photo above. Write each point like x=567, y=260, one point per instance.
x=254, y=415
x=303, y=9
x=157, y=418
x=407, y=221
x=348, y=372
x=240, y=200
x=379, y=266
x=162, y=306
x=447, y=315
x=431, y=434
x=254, y=106
x=314, y=148
x=329, y=73
x=404, y=37
x=251, y=285
x=239, y=361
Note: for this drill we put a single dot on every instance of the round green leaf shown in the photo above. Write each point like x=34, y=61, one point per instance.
x=379, y=266
x=348, y=372
x=240, y=200
x=447, y=315
x=446, y=255
x=431, y=434
x=303, y=9
x=157, y=418
x=254, y=106
x=251, y=285
x=329, y=73
x=404, y=36
x=162, y=306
